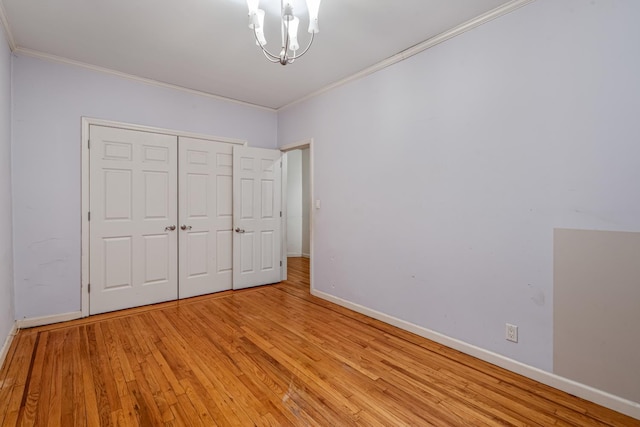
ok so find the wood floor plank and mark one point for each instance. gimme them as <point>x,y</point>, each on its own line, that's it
<point>16,376</point>
<point>267,356</point>
<point>68,380</point>
<point>36,384</point>
<point>88,384</point>
<point>54,355</point>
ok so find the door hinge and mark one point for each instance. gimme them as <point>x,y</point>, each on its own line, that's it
<point>280,263</point>
<point>89,216</point>
<point>280,214</point>
<point>89,144</point>
<point>89,288</point>
<point>280,164</point>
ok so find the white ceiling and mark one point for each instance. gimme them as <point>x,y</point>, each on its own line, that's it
<point>206,45</point>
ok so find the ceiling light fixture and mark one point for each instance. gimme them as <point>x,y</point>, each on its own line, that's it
<point>288,26</point>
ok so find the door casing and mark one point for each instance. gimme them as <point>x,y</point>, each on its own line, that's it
<point>299,145</point>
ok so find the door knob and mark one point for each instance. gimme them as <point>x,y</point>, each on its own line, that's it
<point>238,230</point>
<point>170,228</point>
<point>185,227</point>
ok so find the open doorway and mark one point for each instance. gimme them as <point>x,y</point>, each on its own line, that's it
<point>298,204</point>
<point>298,212</point>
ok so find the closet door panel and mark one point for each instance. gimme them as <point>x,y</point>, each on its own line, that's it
<point>133,205</point>
<point>205,212</point>
<point>257,255</point>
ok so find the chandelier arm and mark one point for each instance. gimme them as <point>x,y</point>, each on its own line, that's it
<point>286,43</point>
<point>283,30</point>
<point>270,56</point>
<point>306,49</point>
<point>266,55</point>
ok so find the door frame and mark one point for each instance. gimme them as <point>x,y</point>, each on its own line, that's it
<point>299,145</point>
<point>86,122</point>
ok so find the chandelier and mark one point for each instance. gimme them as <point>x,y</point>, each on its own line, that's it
<point>288,28</point>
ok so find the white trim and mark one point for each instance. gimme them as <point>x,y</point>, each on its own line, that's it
<point>7,344</point>
<point>600,397</point>
<point>60,59</point>
<point>84,228</point>
<point>306,255</point>
<point>47,320</point>
<point>7,29</point>
<point>427,44</point>
<point>163,131</point>
<point>86,122</point>
<point>460,29</point>
<point>294,254</point>
<point>284,235</point>
<point>301,145</point>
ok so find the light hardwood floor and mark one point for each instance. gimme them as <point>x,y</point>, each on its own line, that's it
<point>273,355</point>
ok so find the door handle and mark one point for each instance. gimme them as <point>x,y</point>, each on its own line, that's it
<point>238,230</point>
<point>170,228</point>
<point>185,227</point>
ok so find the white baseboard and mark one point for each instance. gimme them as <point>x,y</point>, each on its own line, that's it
<point>600,397</point>
<point>7,344</point>
<point>47,320</point>
<point>298,255</point>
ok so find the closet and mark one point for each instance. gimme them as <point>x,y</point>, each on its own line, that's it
<point>162,214</point>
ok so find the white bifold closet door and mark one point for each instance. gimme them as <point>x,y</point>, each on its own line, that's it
<point>134,212</point>
<point>205,211</point>
<point>257,216</point>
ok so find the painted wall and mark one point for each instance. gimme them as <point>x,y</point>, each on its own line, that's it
<point>294,203</point>
<point>306,203</point>
<point>443,177</point>
<point>6,226</point>
<point>49,100</point>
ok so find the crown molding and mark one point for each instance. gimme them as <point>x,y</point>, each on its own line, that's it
<point>7,29</point>
<point>427,44</point>
<point>460,29</point>
<point>151,82</point>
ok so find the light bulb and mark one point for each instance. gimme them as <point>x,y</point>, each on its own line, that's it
<point>253,6</point>
<point>293,34</point>
<point>314,8</point>
<point>261,40</point>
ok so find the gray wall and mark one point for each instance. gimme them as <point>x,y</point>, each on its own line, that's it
<point>443,177</point>
<point>49,101</point>
<point>597,309</point>
<point>6,239</point>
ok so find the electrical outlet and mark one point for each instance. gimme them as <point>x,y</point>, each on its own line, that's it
<point>512,333</point>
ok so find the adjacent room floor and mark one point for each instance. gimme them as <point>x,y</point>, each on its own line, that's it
<point>273,355</point>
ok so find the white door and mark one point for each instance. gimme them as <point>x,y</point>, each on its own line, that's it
<point>205,212</point>
<point>133,208</point>
<point>257,175</point>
